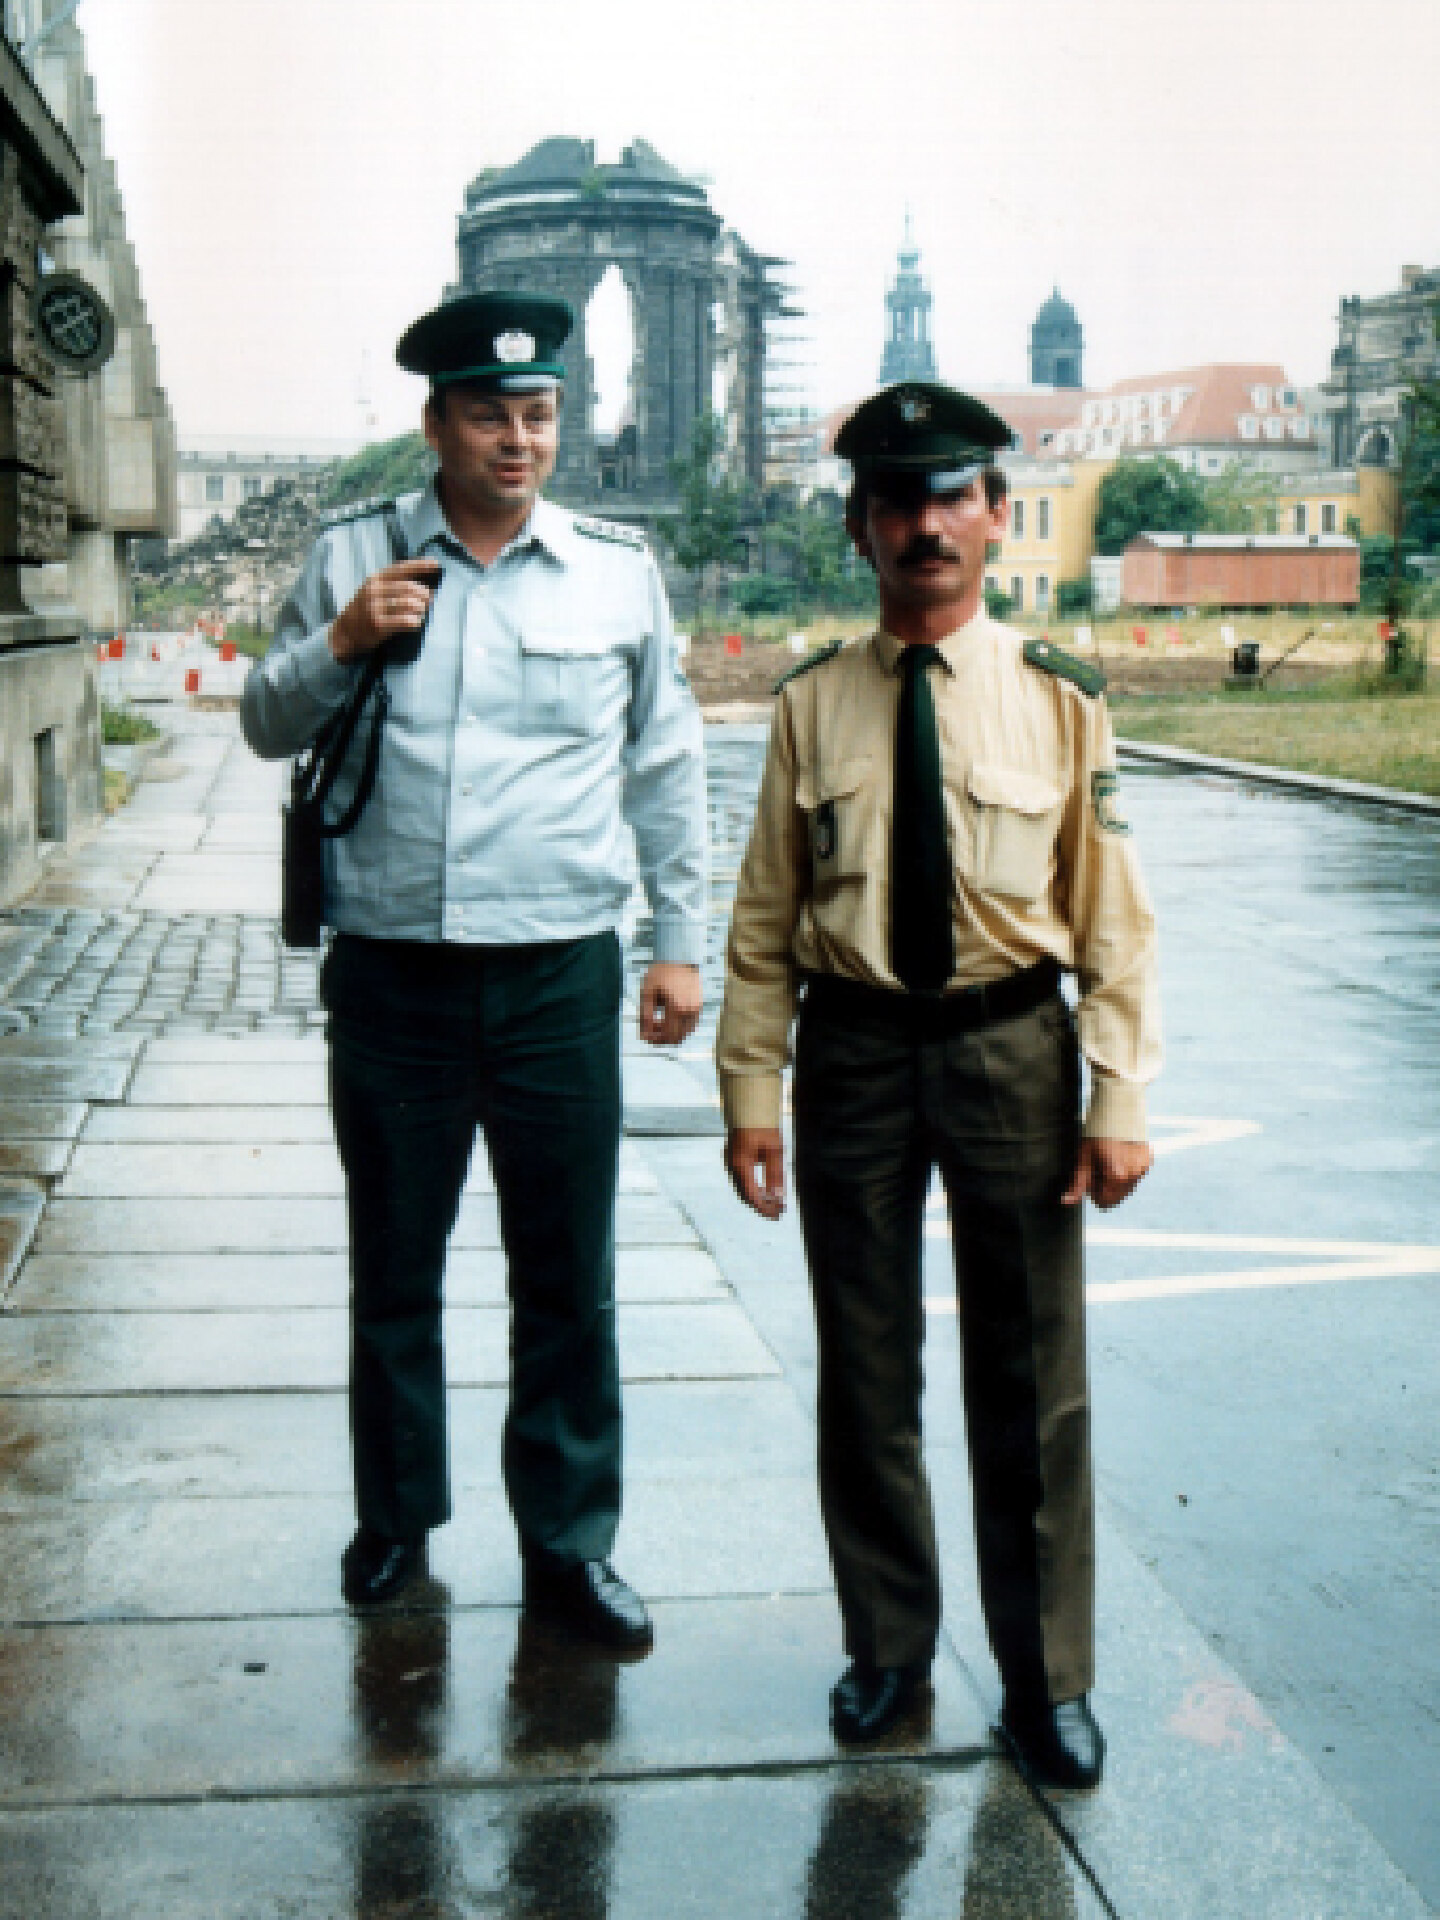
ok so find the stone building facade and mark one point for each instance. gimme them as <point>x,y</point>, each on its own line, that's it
<point>1384,344</point>
<point>553,223</point>
<point>86,457</point>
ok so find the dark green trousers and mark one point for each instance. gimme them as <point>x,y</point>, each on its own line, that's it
<point>879,1104</point>
<point>427,1044</point>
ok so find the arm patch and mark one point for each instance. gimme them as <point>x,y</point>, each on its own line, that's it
<point>613,531</point>
<point>1064,666</point>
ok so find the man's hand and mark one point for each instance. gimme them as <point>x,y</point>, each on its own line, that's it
<point>395,600</point>
<point>1109,1171</point>
<point>755,1161</point>
<point>670,1001</point>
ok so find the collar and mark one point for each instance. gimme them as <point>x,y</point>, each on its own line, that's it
<point>952,648</point>
<point>422,521</point>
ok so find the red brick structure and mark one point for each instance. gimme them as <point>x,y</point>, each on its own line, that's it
<point>1241,570</point>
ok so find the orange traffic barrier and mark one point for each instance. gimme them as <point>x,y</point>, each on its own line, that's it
<point>227,649</point>
<point>1139,636</point>
<point>734,645</point>
<point>192,679</point>
<point>117,647</point>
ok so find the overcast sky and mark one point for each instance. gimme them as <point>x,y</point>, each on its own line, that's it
<point>1203,179</point>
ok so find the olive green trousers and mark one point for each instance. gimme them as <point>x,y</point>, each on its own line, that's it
<point>882,1100</point>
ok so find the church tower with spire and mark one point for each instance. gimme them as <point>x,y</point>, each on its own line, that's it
<point>908,352</point>
<point>1056,345</point>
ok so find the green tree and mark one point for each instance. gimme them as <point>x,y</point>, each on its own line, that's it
<point>1238,501</point>
<point>1146,496</point>
<point>714,509</point>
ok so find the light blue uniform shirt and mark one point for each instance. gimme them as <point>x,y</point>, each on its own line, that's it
<point>545,720</point>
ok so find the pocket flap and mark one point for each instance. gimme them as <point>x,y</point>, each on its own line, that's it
<point>841,777</point>
<point>569,642</point>
<point>1027,793</point>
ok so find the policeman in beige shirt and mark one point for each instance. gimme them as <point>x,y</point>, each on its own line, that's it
<point>937,841</point>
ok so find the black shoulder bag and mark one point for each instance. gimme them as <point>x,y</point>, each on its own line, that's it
<point>304,828</point>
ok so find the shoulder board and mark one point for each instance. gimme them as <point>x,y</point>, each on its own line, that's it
<point>803,666</point>
<point>614,531</point>
<point>356,510</point>
<point>1065,666</point>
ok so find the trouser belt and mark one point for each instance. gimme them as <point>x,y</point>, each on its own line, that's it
<point>933,1015</point>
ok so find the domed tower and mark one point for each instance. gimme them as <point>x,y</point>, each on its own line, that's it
<point>908,352</point>
<point>1056,345</point>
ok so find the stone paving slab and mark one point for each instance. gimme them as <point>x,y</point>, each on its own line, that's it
<point>247,1050</point>
<point>230,1084</point>
<point>52,1046</point>
<point>182,1168</point>
<point>223,883</point>
<point>309,1352</point>
<point>222,1558</point>
<point>35,1159</point>
<point>204,1446</point>
<point>242,1126</point>
<point>305,1224</point>
<point>63,1081</point>
<point>874,1842</point>
<point>138,1712</point>
<point>247,1282</point>
<point>22,1203</point>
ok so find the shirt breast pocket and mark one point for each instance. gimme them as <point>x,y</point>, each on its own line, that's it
<point>1016,819</point>
<point>839,811</point>
<point>570,681</point>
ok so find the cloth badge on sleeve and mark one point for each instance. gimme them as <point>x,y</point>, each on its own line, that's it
<point>1104,789</point>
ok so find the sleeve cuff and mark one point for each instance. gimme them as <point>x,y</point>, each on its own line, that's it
<point>322,676</point>
<point>750,1099</point>
<point>679,943</point>
<point>1117,1110</point>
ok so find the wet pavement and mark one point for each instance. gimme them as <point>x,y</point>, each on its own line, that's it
<point>192,1724</point>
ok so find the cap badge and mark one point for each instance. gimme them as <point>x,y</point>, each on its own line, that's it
<point>913,407</point>
<point>514,346</point>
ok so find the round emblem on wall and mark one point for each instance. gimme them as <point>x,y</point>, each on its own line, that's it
<point>74,326</point>
<point>514,346</point>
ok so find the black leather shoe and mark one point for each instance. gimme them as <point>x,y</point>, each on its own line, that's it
<point>589,1598</point>
<point>374,1569</point>
<point>866,1702</point>
<point>1057,1745</point>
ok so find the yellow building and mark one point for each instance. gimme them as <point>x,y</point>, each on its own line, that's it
<point>1051,533</point>
<point>1354,500</point>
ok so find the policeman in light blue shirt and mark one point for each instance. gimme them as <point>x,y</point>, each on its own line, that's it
<point>540,744</point>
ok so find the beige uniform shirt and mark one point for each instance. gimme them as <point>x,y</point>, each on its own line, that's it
<point>1044,863</point>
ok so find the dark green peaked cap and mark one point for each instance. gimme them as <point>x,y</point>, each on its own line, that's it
<point>1065,666</point>
<point>508,342</point>
<point>922,431</point>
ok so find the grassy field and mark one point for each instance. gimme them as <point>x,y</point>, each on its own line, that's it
<point>1390,740</point>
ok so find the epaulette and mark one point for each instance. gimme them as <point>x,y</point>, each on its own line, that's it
<point>615,531</point>
<point>357,510</point>
<point>817,659</point>
<point>1040,653</point>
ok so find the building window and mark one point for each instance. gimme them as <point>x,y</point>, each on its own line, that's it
<point>1017,594</point>
<point>1260,398</point>
<point>1287,397</point>
<point>214,488</point>
<point>1017,519</point>
<point>1042,520</point>
<point>254,486</point>
<point>1300,427</point>
<point>1042,593</point>
<point>992,583</point>
<point>1249,427</point>
<point>1329,517</point>
<point>1302,519</point>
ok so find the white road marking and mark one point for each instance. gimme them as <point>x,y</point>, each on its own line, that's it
<point>1311,1263</point>
<point>1197,1132</point>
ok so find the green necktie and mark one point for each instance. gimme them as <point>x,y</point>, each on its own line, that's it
<point>922,933</point>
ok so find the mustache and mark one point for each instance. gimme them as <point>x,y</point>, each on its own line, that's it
<point>926,546</point>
